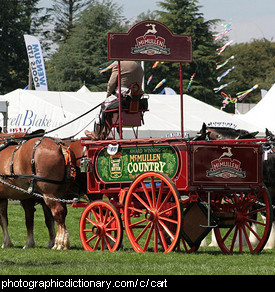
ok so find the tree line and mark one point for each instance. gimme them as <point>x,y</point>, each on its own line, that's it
<point>73,34</point>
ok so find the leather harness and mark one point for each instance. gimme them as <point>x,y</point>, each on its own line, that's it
<point>33,176</point>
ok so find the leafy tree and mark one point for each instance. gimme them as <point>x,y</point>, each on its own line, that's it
<point>184,17</point>
<point>80,58</point>
<point>17,18</point>
<point>65,14</point>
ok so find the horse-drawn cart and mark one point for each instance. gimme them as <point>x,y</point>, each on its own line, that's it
<point>169,193</point>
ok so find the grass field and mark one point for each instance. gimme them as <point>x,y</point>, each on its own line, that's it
<point>76,261</point>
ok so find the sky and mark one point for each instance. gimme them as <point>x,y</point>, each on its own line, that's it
<point>250,19</point>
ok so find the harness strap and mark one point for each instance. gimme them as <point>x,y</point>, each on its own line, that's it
<point>33,176</point>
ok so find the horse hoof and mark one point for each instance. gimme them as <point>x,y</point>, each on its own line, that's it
<point>7,245</point>
<point>27,247</point>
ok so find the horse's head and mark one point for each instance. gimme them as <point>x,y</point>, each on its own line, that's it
<point>269,135</point>
<point>224,133</point>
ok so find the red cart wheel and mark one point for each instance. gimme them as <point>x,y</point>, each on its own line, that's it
<point>100,227</point>
<point>250,231</point>
<point>153,213</point>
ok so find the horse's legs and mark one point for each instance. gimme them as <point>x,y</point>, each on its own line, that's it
<point>59,212</point>
<point>29,209</point>
<point>49,221</point>
<point>4,223</point>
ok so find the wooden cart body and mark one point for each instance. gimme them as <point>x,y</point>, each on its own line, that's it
<point>169,193</point>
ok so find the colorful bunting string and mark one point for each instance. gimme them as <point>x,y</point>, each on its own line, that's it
<point>149,79</point>
<point>223,63</point>
<point>225,73</point>
<point>243,94</point>
<point>227,29</point>
<point>159,84</point>
<point>220,50</point>
<point>217,89</point>
<point>108,68</point>
<point>190,82</point>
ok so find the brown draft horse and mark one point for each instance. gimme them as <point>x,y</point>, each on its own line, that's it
<point>217,133</point>
<point>49,164</point>
<point>27,204</point>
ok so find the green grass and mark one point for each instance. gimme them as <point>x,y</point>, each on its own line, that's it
<point>76,261</point>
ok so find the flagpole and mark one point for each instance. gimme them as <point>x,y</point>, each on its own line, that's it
<point>30,78</point>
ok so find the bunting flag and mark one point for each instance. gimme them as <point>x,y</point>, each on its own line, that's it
<point>159,84</point>
<point>217,89</point>
<point>225,73</point>
<point>190,82</point>
<point>227,29</point>
<point>149,79</point>
<point>223,63</point>
<point>241,95</point>
<point>156,64</point>
<point>220,50</point>
<point>108,68</point>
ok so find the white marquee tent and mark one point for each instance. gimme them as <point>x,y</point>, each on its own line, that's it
<point>48,110</point>
<point>263,112</point>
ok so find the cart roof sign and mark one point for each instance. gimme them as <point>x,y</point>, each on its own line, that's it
<point>150,40</point>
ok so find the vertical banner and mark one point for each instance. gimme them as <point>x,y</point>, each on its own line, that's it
<point>36,62</point>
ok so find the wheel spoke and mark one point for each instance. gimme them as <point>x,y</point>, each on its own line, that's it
<point>148,237</point>
<point>247,238</point>
<point>155,237</point>
<point>240,240</point>
<point>143,231</point>
<point>160,194</point>
<point>227,234</point>
<point>137,210</point>
<point>168,219</point>
<point>253,231</point>
<point>106,216</point>
<point>97,218</point>
<point>167,230</point>
<point>162,237</point>
<point>234,239</point>
<point>91,238</point>
<point>147,194</point>
<point>90,220</point>
<point>138,222</point>
<point>256,222</point>
<point>141,201</point>
<point>167,210</point>
<point>153,191</point>
<point>168,196</point>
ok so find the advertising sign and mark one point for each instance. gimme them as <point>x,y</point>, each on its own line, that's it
<point>36,62</point>
<point>129,162</point>
<point>150,40</point>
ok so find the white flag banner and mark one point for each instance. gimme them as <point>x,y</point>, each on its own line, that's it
<point>36,62</point>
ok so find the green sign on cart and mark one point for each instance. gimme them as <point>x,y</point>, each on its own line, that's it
<point>129,162</point>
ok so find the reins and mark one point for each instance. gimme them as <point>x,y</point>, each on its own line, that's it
<point>75,119</point>
<point>40,133</point>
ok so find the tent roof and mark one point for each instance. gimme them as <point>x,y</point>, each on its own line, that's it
<point>162,118</point>
<point>84,89</point>
<point>263,111</point>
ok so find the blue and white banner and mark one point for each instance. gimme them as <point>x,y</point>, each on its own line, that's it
<point>36,62</point>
